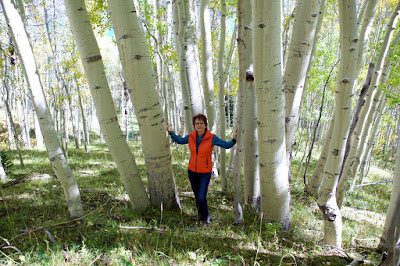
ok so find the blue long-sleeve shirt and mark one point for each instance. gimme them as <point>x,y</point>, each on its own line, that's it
<point>215,141</point>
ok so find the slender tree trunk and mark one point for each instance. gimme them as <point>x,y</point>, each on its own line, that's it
<point>353,141</point>
<point>327,193</point>
<point>54,151</point>
<point>141,84</point>
<point>300,49</point>
<point>105,109</point>
<point>207,77</point>
<point>391,240</point>
<point>180,25</point>
<point>221,98</point>
<point>369,143</point>
<point>84,122</point>
<point>365,31</point>
<point>268,66</point>
<point>189,47</point>
<point>236,180</point>
<point>369,110</point>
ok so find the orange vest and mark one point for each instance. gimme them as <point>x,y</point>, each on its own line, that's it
<point>200,161</point>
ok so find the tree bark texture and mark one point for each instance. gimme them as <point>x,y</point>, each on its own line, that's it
<point>103,101</point>
<point>300,49</point>
<point>207,78</point>
<point>137,65</point>
<point>221,98</point>
<point>268,74</point>
<point>55,154</point>
<point>327,193</point>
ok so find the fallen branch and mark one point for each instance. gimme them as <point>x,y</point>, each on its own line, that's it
<point>142,227</point>
<point>57,224</point>
<point>14,182</point>
<point>375,183</point>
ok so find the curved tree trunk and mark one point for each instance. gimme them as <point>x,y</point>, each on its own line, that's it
<point>105,109</point>
<point>55,154</point>
<point>346,77</point>
<point>141,84</point>
<point>300,49</point>
<point>365,31</point>
<point>369,110</point>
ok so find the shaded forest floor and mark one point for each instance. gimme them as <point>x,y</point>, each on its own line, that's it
<point>35,229</point>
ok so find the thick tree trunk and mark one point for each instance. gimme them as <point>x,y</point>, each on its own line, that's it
<point>141,84</point>
<point>54,151</point>
<point>327,193</point>
<point>268,62</point>
<point>105,109</point>
<point>246,83</point>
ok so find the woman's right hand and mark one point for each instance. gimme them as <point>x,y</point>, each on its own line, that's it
<point>168,127</point>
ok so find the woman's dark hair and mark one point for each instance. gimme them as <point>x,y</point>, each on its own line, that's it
<point>200,117</point>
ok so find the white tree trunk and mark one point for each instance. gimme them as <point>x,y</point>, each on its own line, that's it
<point>221,97</point>
<point>207,78</point>
<point>3,175</point>
<point>141,83</point>
<point>55,154</point>
<point>314,182</point>
<point>300,49</point>
<point>180,25</point>
<point>105,109</point>
<point>237,162</point>
<point>246,83</point>
<point>268,74</point>
<point>369,143</point>
<point>391,240</point>
<point>365,31</point>
<point>369,110</point>
<point>189,47</point>
<point>38,134</point>
<point>327,193</point>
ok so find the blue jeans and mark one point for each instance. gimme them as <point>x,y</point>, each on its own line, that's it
<point>199,182</point>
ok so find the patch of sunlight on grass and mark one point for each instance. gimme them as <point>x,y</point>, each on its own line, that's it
<point>376,174</point>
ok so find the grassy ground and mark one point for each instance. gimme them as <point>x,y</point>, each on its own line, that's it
<point>34,227</point>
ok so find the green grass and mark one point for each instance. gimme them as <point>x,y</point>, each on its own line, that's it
<point>162,237</point>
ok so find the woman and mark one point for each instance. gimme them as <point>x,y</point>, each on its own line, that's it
<point>201,142</point>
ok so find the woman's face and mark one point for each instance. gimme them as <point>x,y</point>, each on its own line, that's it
<point>199,126</point>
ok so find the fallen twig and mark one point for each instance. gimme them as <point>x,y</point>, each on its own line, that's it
<point>14,182</point>
<point>375,183</point>
<point>142,227</point>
